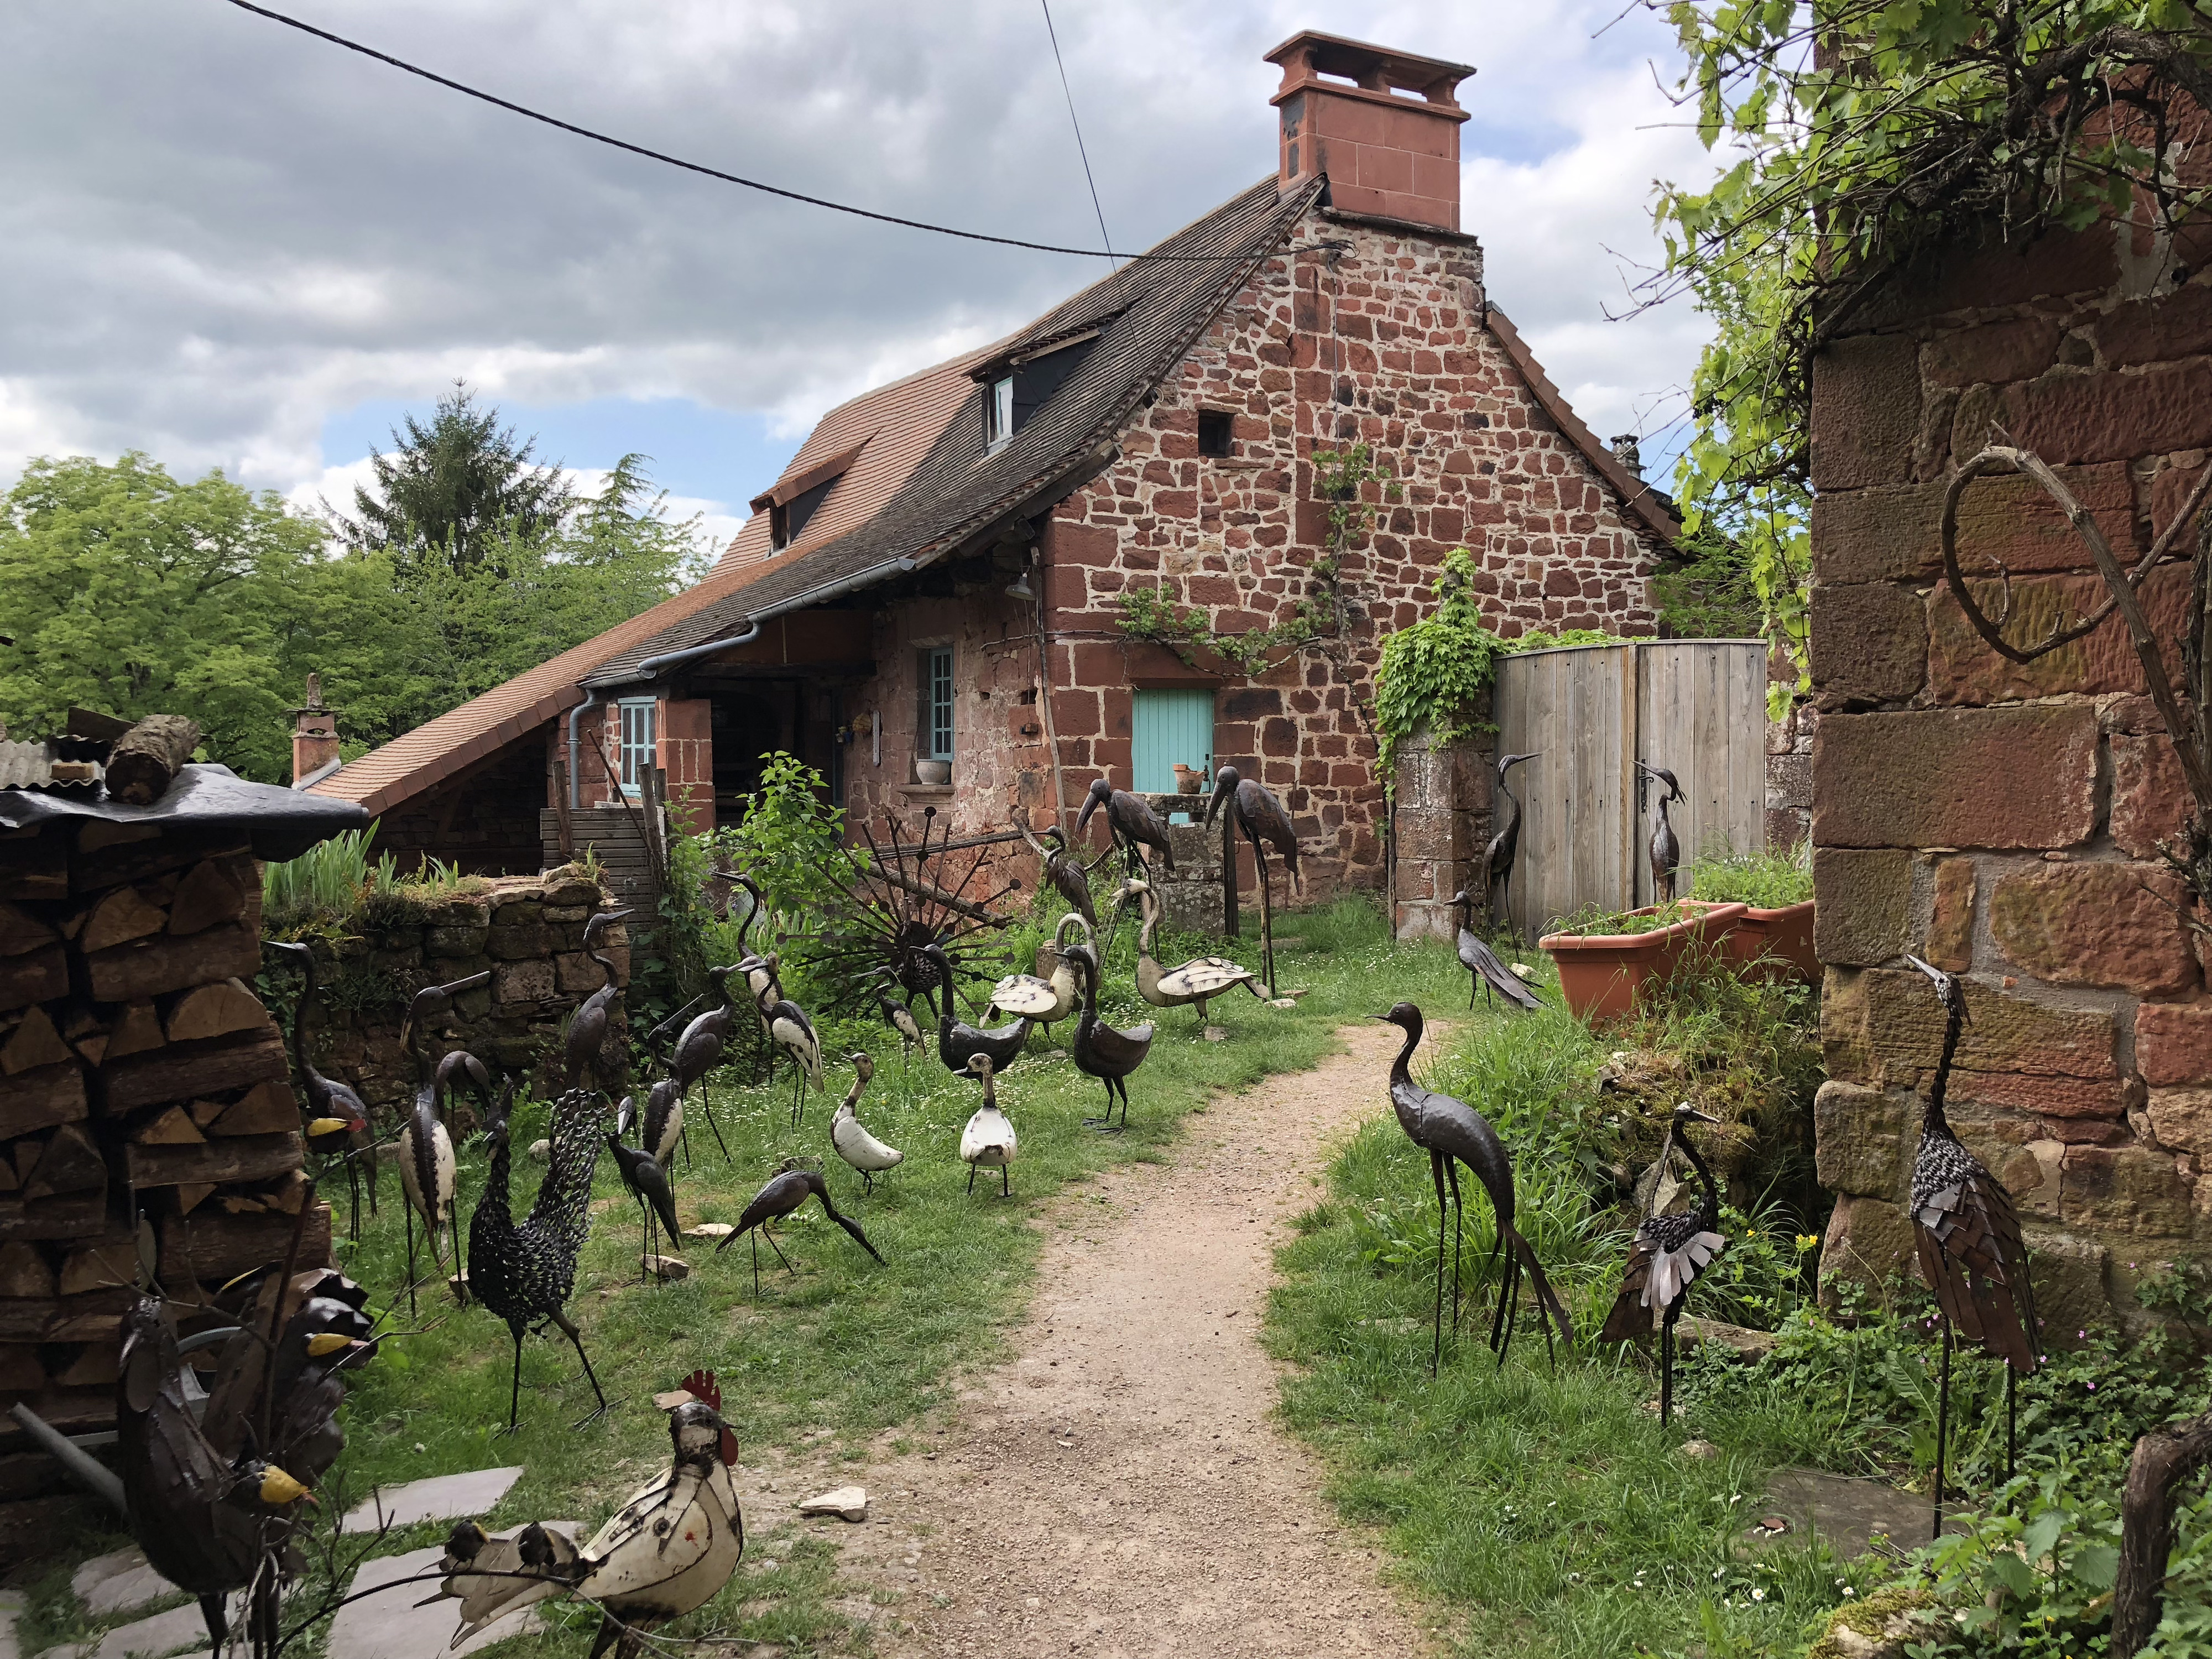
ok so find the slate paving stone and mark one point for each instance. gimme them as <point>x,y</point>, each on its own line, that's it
<point>1850,1512</point>
<point>165,1633</point>
<point>440,1498</point>
<point>118,1583</point>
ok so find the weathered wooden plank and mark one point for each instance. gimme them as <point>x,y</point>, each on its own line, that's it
<point>226,1159</point>
<point>180,1071</point>
<point>210,1247</point>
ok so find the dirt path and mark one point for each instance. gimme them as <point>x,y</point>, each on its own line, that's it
<point>1119,1488</point>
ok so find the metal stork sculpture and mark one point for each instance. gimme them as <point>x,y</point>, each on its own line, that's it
<point>1254,811</point>
<point>1666,850</point>
<point>1505,848</point>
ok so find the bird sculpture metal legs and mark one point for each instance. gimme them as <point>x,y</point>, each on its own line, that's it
<point>514,1393</point>
<point>1266,918</point>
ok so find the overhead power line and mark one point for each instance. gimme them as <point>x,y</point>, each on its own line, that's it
<point>512,108</point>
<point>1053,34</point>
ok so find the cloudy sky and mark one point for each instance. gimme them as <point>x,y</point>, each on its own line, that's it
<point>231,245</point>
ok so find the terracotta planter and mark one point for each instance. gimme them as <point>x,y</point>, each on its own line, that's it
<point>1773,944</point>
<point>1602,974</point>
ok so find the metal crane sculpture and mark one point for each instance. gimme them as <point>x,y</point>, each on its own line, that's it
<point>1062,869</point>
<point>525,1273</point>
<point>669,1550</point>
<point>850,1137</point>
<point>1105,1052</point>
<point>586,1042</point>
<point>959,1043</point>
<point>791,1030</point>
<point>1453,1133</point>
<point>989,1138</point>
<point>660,1131</point>
<point>1670,1253</point>
<point>1666,850</point>
<point>1481,963</point>
<point>648,1183</point>
<point>785,1191</point>
<point>698,1051</point>
<point>899,1016</point>
<point>433,1005</point>
<point>426,1165</point>
<point>1970,1247</point>
<point>1196,983</point>
<point>1133,825</point>
<point>337,1117</point>
<point>1254,811</point>
<point>1505,848</point>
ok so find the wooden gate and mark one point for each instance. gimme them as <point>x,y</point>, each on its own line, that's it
<point>1696,707</point>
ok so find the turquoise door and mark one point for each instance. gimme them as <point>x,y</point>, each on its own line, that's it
<point>1171,726</point>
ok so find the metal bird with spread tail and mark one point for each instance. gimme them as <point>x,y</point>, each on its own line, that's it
<point>850,1137</point>
<point>989,1140</point>
<point>1254,811</point>
<point>1061,869</point>
<point>586,1042</point>
<point>525,1273</point>
<point>1498,857</point>
<point>1103,1051</point>
<point>1970,1247</point>
<point>1481,961</point>
<point>1196,983</point>
<point>336,1122</point>
<point>1670,1253</point>
<point>1453,1133</point>
<point>1666,850</point>
<point>1133,824</point>
<point>957,1042</point>
<point>1049,998</point>
<point>648,1183</point>
<point>784,1194</point>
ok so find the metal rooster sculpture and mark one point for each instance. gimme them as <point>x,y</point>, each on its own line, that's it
<point>525,1273</point>
<point>1971,1252</point>
<point>1666,850</point>
<point>336,1122</point>
<point>1254,811</point>
<point>1453,1133</point>
<point>1499,857</point>
<point>1670,1253</point>
<point>1481,961</point>
<point>1133,824</point>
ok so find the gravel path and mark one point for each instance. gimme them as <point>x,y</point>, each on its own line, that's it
<point>1119,1488</point>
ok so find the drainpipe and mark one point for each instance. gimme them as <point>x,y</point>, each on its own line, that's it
<point>653,665</point>
<point>598,699</point>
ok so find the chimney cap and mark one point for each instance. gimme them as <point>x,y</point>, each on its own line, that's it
<point>1310,54</point>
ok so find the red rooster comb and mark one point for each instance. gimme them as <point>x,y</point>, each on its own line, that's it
<point>701,1386</point>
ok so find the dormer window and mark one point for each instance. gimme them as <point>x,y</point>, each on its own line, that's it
<point>787,519</point>
<point>800,492</point>
<point>1017,388</point>
<point>997,411</point>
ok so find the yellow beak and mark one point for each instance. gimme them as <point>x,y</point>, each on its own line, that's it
<point>278,1487</point>
<point>326,1125</point>
<point>324,1342</point>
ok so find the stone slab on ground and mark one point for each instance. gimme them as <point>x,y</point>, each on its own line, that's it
<point>1850,1512</point>
<point>118,1583</point>
<point>390,1625</point>
<point>439,1498</point>
<point>165,1633</point>
<point>850,1502</point>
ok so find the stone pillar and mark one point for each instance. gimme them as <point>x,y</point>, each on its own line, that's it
<point>684,745</point>
<point>1442,821</point>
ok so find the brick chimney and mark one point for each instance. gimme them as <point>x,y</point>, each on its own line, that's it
<point>1392,156</point>
<point>314,734</point>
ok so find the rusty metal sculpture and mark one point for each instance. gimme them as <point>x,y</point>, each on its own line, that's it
<point>1670,1253</point>
<point>336,1123</point>
<point>1505,848</point>
<point>1255,810</point>
<point>1666,849</point>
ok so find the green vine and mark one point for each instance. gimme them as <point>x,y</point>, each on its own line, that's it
<point>1434,672</point>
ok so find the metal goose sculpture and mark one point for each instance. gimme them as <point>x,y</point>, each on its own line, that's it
<point>1134,824</point>
<point>850,1137</point>
<point>1666,849</point>
<point>583,1046</point>
<point>1670,1253</point>
<point>337,1118</point>
<point>959,1043</point>
<point>1255,812</point>
<point>786,1191</point>
<point>1481,963</point>
<point>1970,1247</point>
<point>1505,848</point>
<point>1453,1133</point>
<point>1196,983</point>
<point>989,1139</point>
<point>1111,1054</point>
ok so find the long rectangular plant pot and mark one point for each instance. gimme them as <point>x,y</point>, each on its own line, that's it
<point>1602,974</point>
<point>1774,944</point>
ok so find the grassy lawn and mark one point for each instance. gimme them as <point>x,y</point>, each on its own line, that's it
<point>846,1350</point>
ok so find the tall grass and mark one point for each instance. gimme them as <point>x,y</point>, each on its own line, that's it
<point>1768,880</point>
<point>328,880</point>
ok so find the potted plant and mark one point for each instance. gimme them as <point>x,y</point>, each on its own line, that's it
<point>1605,959</point>
<point>1774,936</point>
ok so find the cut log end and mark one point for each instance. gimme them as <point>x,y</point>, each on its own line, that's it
<point>145,760</point>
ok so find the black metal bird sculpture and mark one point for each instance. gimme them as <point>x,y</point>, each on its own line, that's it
<point>648,1184</point>
<point>1670,1253</point>
<point>1105,1052</point>
<point>660,1130</point>
<point>1255,813</point>
<point>899,1016</point>
<point>1666,850</point>
<point>430,1005</point>
<point>957,1042</point>
<point>1499,857</point>
<point>427,1166</point>
<point>784,1194</point>
<point>335,1125</point>
<point>587,1027</point>
<point>1971,1252</point>
<point>1481,963</point>
<point>698,1052</point>
<point>1060,868</point>
<point>791,1030</point>
<point>1453,1133</point>
<point>525,1273</point>
<point>1131,822</point>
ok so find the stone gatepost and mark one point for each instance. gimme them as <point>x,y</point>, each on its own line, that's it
<point>1441,818</point>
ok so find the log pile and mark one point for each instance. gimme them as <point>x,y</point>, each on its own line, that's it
<point>146,1108</point>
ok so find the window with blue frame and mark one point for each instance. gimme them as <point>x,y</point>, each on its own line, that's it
<point>934,732</point>
<point>637,743</point>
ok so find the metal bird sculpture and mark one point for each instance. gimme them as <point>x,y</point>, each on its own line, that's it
<point>337,1120</point>
<point>648,1183</point>
<point>989,1139</point>
<point>850,1137</point>
<point>1481,961</point>
<point>1970,1247</point>
<point>1196,983</point>
<point>1061,869</point>
<point>698,1052</point>
<point>899,1016</point>
<point>1666,850</point>
<point>1453,1133</point>
<point>660,1130</point>
<point>1048,999</point>
<point>524,1273</point>
<point>669,1550</point>
<point>957,1042</point>
<point>426,1163</point>
<point>585,1045</point>
<point>1132,823</point>
<point>784,1194</point>
<point>1505,848</point>
<point>1670,1253</point>
<point>1255,812</point>
<point>1105,1052</point>
<point>793,1032</point>
<point>432,1004</point>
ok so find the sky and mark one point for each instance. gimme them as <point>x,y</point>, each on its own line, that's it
<point>231,245</point>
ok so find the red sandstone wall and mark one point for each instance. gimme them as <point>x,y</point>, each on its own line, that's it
<point>2003,821</point>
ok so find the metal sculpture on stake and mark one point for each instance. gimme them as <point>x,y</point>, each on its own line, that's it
<point>1253,810</point>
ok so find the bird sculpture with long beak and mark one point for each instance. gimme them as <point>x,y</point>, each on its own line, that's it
<point>988,1141</point>
<point>899,1016</point>
<point>1453,1133</point>
<point>584,1047</point>
<point>648,1183</point>
<point>1670,1253</point>
<point>1481,961</point>
<point>667,1551</point>
<point>1255,813</point>
<point>426,1163</point>
<point>1105,1052</point>
<point>785,1191</point>
<point>1196,983</point>
<point>957,1042</point>
<point>336,1123</point>
<point>1499,857</point>
<point>698,1052</point>
<point>791,1030</point>
<point>1666,850</point>
<point>660,1128</point>
<point>1059,869</point>
<point>1971,1252</point>
<point>1133,825</point>
<point>850,1137</point>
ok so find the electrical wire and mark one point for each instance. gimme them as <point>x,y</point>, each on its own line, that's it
<point>715,172</point>
<point>1053,35</point>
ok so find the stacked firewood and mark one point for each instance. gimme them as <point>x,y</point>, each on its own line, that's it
<point>146,1121</point>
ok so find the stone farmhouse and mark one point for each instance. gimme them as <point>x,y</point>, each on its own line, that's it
<point>927,605</point>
